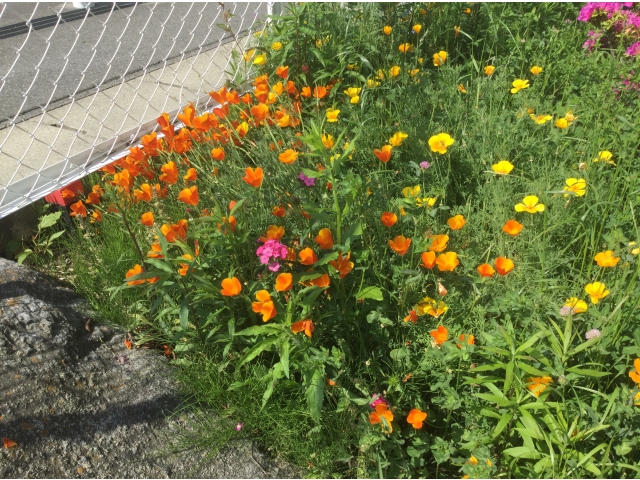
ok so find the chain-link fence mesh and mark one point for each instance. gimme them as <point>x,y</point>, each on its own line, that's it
<point>78,86</point>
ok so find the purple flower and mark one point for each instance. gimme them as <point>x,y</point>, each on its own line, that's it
<point>586,13</point>
<point>309,182</point>
<point>424,165</point>
<point>634,50</point>
<point>593,333</point>
<point>274,266</point>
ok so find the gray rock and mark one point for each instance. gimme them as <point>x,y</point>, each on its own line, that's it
<point>80,404</point>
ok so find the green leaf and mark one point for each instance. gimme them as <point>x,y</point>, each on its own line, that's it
<point>522,452</point>
<point>529,343</point>
<point>159,264</point>
<point>326,259</point>
<point>399,354</point>
<point>285,349</point>
<point>276,374</point>
<point>304,277</point>
<point>587,372</point>
<point>352,233</point>
<point>237,206</point>
<point>268,329</point>
<point>184,313</point>
<point>55,235</point>
<point>257,350</point>
<point>23,256</point>
<point>311,297</point>
<point>502,424</point>
<point>374,293</point>
<point>500,401</point>
<point>49,220</point>
<point>315,394</point>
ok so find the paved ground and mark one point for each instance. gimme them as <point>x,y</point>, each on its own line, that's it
<point>104,75</point>
<point>70,56</point>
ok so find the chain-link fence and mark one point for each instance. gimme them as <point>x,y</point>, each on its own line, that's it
<point>79,86</point>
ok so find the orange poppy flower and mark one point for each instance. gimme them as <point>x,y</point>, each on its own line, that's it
<point>466,338</point>
<point>456,222</point>
<point>184,267</point>
<point>260,111</point>
<point>323,281</point>
<point>217,154</point>
<point>151,144</point>
<point>307,256</point>
<point>78,208</point>
<point>447,262</point>
<point>253,177</point>
<point>400,244</point>
<point>273,232</point>
<point>412,317</point>
<point>439,243</point>
<point>67,193</point>
<point>440,335</point>
<point>537,385</point>
<point>382,415</point>
<point>122,179</point>
<point>187,115</point>
<point>191,175</point>
<point>388,219</point>
<point>282,72</point>
<point>384,154</point>
<point>93,199</point>
<point>343,265</point>
<point>512,227</point>
<point>319,92</point>
<point>288,156</point>
<point>635,376</point>
<point>305,92</point>
<point>231,221</point>
<point>145,193</point>
<point>156,251</point>
<point>147,219</point>
<point>305,326</point>
<point>161,192</point>
<point>504,265</point>
<point>486,270</point>
<point>264,305</point>
<point>137,269</point>
<point>278,211</point>
<point>416,417</point>
<point>231,287</point>
<point>97,216</point>
<point>169,173</point>
<point>284,282</point>
<point>324,239</point>
<point>189,195</point>
<point>428,260</point>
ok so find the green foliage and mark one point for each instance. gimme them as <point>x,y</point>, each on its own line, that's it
<point>531,375</point>
<point>39,244</point>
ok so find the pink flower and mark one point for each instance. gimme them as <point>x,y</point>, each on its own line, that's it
<point>634,50</point>
<point>239,427</point>
<point>378,400</point>
<point>270,252</point>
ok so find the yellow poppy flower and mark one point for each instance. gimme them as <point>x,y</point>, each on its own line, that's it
<point>395,71</point>
<point>606,259</point>
<point>576,305</point>
<point>461,88</point>
<point>260,59</point>
<point>529,204</point>
<point>332,115</point>
<point>387,30</point>
<point>276,46</point>
<point>489,69</point>
<point>540,119</point>
<point>397,138</point>
<point>416,28</point>
<point>519,84</point>
<point>576,185</point>
<point>405,47</point>
<point>371,83</point>
<point>503,167</point>
<point>596,291</point>
<point>440,142</point>
<point>535,70</point>
<point>605,156</point>
<point>411,191</point>
<point>439,58</point>
<point>562,123</point>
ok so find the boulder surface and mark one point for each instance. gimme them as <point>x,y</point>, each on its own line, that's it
<point>79,403</point>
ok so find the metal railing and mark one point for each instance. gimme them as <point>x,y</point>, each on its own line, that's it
<point>78,87</point>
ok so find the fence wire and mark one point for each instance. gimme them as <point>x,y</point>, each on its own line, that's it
<point>79,86</point>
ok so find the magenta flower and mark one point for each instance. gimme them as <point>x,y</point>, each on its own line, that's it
<point>239,427</point>
<point>634,50</point>
<point>309,182</point>
<point>270,252</point>
<point>424,165</point>
<point>378,400</point>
